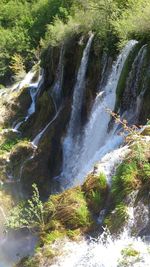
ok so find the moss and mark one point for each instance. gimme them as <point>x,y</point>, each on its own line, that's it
<point>96,190</point>
<point>125,180</point>
<point>146,131</point>
<point>130,252</point>
<point>19,153</point>
<point>132,174</point>
<point>74,235</point>
<point>16,106</point>
<point>116,220</point>
<point>45,111</point>
<point>53,236</point>
<point>8,144</point>
<point>69,208</point>
<point>130,256</point>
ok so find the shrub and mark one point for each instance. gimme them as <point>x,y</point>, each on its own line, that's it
<point>28,214</point>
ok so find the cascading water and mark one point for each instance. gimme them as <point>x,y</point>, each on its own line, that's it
<point>34,89</point>
<point>132,98</point>
<point>82,149</point>
<point>56,96</point>
<point>105,251</point>
<point>37,139</point>
<point>96,141</point>
<point>74,124</point>
<point>57,88</point>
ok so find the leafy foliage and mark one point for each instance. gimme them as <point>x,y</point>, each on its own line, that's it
<point>28,214</point>
<point>25,26</point>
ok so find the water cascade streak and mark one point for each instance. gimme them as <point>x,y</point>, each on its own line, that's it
<point>74,123</point>
<point>37,139</point>
<point>57,88</point>
<point>97,142</point>
<point>34,89</point>
<point>132,98</point>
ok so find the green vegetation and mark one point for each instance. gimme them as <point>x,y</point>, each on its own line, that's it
<point>132,174</point>
<point>116,220</point>
<point>63,215</point>
<point>70,209</point>
<point>129,257</point>
<point>96,190</point>
<point>28,27</point>
<point>8,144</point>
<point>28,214</point>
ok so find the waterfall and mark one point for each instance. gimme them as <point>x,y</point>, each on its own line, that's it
<point>96,140</point>
<point>131,97</point>
<point>78,94</point>
<point>27,80</point>
<point>56,96</point>
<point>37,139</point>
<point>79,91</point>
<point>34,89</point>
<point>57,88</point>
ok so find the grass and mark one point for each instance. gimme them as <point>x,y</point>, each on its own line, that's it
<point>125,180</point>
<point>132,174</point>
<point>70,209</point>
<point>95,189</point>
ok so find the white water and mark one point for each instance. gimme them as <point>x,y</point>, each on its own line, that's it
<point>104,251</point>
<point>78,94</point>
<point>25,82</point>
<point>37,139</point>
<point>133,106</point>
<point>107,250</point>
<point>34,89</point>
<point>96,142</point>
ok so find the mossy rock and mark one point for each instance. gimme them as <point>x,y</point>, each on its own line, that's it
<point>45,111</point>
<point>96,191</point>
<point>16,106</point>
<point>70,209</point>
<point>131,175</point>
<point>146,131</point>
<point>3,168</point>
<point>8,139</point>
<point>125,180</point>
<point>20,152</point>
<point>117,219</point>
<point>6,204</point>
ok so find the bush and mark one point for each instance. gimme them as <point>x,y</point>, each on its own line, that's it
<point>28,214</point>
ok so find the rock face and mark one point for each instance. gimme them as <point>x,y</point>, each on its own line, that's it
<point>47,161</point>
<point>42,165</point>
